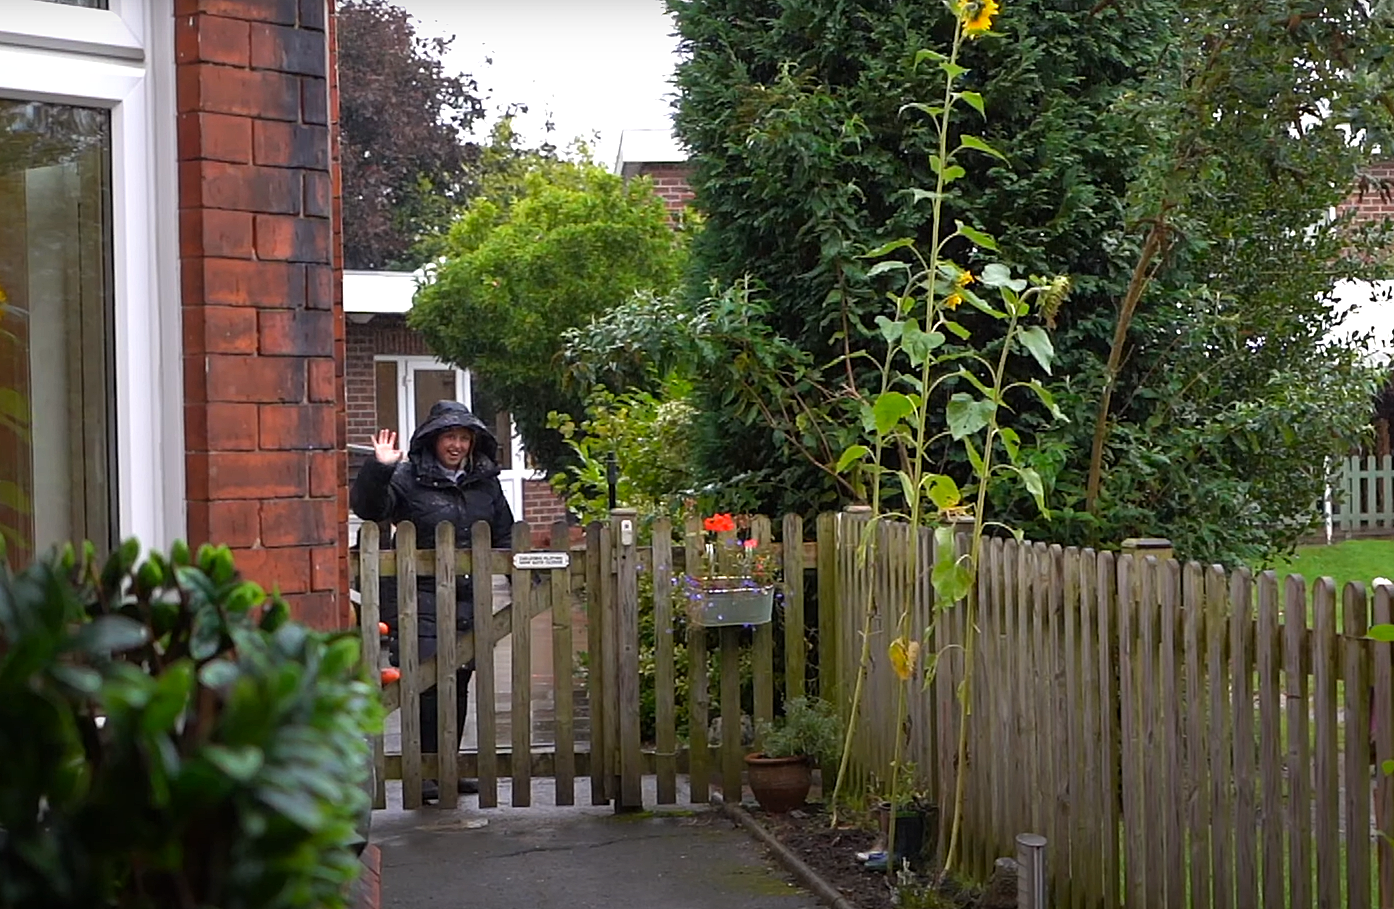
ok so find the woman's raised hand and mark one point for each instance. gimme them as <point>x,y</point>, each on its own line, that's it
<point>385,447</point>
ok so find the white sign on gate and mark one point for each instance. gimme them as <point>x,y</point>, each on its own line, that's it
<point>541,561</point>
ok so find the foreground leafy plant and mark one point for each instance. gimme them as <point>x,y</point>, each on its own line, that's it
<point>173,739</point>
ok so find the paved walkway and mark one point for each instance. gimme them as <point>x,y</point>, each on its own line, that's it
<point>547,857</point>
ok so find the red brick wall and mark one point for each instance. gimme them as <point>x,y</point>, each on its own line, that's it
<point>261,295</point>
<point>1374,204</point>
<point>343,607</point>
<point>360,405</point>
<point>670,183</point>
<point>541,508</point>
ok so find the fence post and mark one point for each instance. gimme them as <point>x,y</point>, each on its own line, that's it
<point>795,639</point>
<point>828,688</point>
<point>520,644</point>
<point>1142,547</point>
<point>625,641</point>
<point>597,584</point>
<point>408,658</point>
<point>448,734</point>
<point>368,618</point>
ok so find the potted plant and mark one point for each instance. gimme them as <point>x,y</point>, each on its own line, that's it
<point>781,772</point>
<point>916,820</point>
<point>736,583</point>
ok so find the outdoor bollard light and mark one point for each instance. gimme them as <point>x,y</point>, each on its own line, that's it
<point>1030,881</point>
<point>612,476</point>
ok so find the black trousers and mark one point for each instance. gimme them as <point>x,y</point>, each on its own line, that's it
<point>430,728</point>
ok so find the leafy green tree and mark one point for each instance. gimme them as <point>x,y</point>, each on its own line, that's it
<point>530,259</point>
<point>1232,399</point>
<point>1177,159</point>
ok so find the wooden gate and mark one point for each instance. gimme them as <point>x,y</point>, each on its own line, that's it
<point>591,592</point>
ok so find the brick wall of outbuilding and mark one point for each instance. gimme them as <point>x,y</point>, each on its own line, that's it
<point>670,184</point>
<point>262,296</point>
<point>1376,203</point>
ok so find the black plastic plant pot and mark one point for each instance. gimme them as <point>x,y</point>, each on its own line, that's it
<point>911,826</point>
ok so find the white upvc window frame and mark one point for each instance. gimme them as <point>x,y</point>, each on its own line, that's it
<point>406,387</point>
<point>122,59</point>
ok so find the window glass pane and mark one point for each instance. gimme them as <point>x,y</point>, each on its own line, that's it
<point>431,385</point>
<point>388,418</point>
<point>57,461</point>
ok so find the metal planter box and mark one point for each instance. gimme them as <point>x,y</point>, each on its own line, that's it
<point>720,601</point>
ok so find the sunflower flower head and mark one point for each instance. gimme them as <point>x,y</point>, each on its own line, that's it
<point>964,279</point>
<point>952,301</point>
<point>976,15</point>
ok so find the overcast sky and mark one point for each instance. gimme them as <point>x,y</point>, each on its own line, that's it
<point>591,65</point>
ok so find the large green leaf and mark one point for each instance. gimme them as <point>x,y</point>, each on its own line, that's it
<point>890,408</point>
<point>853,453</point>
<point>109,634</point>
<point>951,578</point>
<point>1047,399</point>
<point>919,344</point>
<point>171,697</point>
<point>1032,479</point>
<point>974,100</point>
<point>978,144</point>
<point>943,491</point>
<point>979,237</point>
<point>889,247</point>
<point>239,762</point>
<point>1038,343</point>
<point>891,330</point>
<point>1383,633</point>
<point>996,274</point>
<point>967,414</point>
<point>1010,441</point>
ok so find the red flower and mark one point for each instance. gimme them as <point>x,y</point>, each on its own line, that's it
<point>719,523</point>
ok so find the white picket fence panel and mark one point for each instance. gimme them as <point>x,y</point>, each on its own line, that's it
<point>1361,501</point>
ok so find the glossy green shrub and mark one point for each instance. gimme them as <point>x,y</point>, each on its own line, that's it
<point>170,738</point>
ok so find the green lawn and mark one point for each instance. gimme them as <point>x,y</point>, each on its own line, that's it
<point>1353,560</point>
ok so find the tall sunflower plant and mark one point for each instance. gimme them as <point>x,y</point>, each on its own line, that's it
<point>931,390</point>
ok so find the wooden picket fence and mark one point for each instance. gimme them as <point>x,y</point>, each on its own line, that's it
<point>1363,497</point>
<point>1183,736</point>
<point>603,577</point>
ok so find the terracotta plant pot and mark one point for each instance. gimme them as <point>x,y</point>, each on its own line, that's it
<point>780,784</point>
